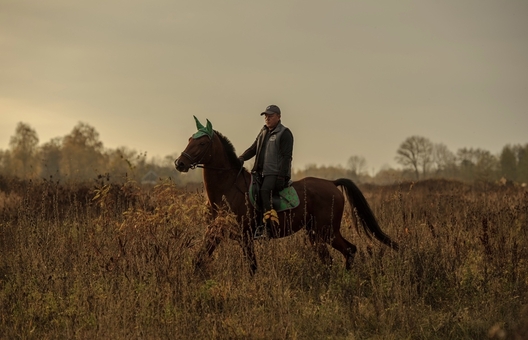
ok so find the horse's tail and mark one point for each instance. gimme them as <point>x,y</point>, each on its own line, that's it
<point>365,214</point>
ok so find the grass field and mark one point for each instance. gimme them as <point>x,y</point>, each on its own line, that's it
<point>116,262</point>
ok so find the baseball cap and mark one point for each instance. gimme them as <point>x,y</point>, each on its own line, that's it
<point>271,110</point>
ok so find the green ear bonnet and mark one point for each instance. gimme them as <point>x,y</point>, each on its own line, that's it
<point>203,130</point>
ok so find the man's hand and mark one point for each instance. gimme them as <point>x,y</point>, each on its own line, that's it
<point>280,183</point>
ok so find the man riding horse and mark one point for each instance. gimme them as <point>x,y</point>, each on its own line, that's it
<point>319,210</point>
<point>273,149</point>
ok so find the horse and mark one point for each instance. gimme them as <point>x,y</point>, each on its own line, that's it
<point>320,211</point>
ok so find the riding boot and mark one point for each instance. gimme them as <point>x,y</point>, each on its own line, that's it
<point>270,220</point>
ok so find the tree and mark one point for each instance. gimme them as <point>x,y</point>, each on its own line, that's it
<point>23,150</point>
<point>444,160</point>
<point>357,165</point>
<point>82,153</point>
<point>5,163</point>
<point>416,153</point>
<point>487,166</point>
<point>522,164</point>
<point>508,163</point>
<point>50,157</point>
<point>387,175</point>
<point>120,162</point>
<point>477,164</point>
<point>467,160</point>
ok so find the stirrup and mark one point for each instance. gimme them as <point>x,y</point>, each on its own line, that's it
<point>261,232</point>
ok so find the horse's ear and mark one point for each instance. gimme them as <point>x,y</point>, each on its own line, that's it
<point>209,128</point>
<point>199,125</point>
<point>202,130</point>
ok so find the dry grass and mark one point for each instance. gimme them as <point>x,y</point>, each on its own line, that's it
<point>120,266</point>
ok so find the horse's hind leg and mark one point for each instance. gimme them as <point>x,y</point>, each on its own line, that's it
<point>320,247</point>
<point>344,247</point>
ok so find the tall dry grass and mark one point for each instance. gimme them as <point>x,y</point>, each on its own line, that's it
<point>116,262</point>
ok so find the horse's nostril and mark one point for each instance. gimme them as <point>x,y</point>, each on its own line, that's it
<point>180,166</point>
<point>178,163</point>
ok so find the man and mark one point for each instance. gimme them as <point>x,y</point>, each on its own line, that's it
<point>273,149</point>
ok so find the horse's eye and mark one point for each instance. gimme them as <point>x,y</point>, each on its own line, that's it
<point>202,143</point>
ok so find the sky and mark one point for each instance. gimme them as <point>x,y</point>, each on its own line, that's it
<point>352,78</point>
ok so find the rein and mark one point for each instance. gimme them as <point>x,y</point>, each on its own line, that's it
<point>223,169</point>
<point>210,167</point>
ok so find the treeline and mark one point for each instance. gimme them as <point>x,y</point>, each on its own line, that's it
<point>426,159</point>
<point>422,159</point>
<point>81,156</point>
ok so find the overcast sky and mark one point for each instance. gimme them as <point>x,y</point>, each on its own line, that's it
<point>351,77</point>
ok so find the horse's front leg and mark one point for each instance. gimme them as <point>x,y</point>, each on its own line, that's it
<point>212,238</point>
<point>248,248</point>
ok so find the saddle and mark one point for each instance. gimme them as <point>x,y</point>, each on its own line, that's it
<point>286,199</point>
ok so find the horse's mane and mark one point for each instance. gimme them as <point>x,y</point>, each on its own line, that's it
<point>230,150</point>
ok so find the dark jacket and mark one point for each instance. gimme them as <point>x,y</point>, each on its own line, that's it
<point>273,151</point>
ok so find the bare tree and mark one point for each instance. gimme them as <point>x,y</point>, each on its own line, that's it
<point>444,160</point>
<point>416,153</point>
<point>357,165</point>
<point>477,164</point>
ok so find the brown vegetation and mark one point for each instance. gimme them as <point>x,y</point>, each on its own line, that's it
<point>116,261</point>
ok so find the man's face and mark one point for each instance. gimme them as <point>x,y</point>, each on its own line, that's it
<point>271,120</point>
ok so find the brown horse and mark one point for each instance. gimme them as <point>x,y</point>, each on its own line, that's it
<point>320,210</point>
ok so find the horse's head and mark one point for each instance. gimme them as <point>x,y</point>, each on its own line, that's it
<point>198,151</point>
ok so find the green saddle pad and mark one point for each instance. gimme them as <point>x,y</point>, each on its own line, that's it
<point>286,200</point>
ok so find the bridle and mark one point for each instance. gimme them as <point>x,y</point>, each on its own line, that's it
<point>198,163</point>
